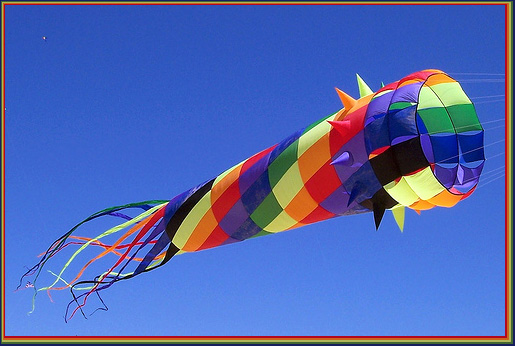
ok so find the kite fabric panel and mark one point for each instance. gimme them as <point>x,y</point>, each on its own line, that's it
<point>414,143</point>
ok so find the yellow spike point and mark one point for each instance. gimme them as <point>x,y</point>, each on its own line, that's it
<point>364,89</point>
<point>348,101</point>
<point>398,215</point>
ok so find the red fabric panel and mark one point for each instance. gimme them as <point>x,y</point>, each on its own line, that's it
<point>323,183</point>
<point>217,237</point>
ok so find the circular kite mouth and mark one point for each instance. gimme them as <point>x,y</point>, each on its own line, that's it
<point>451,135</point>
<point>424,141</point>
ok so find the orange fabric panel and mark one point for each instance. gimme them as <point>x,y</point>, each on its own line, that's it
<point>445,199</point>
<point>421,205</point>
<point>438,79</point>
<point>314,158</point>
<point>199,235</point>
<point>216,238</point>
<point>220,187</point>
<point>318,214</point>
<point>301,205</point>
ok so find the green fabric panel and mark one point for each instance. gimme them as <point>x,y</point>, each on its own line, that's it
<point>318,122</point>
<point>262,233</point>
<point>400,105</point>
<point>464,118</point>
<point>428,99</point>
<point>267,211</point>
<point>450,94</point>
<point>282,163</point>
<point>436,120</point>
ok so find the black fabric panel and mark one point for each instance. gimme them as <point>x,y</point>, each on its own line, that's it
<point>385,167</point>
<point>382,198</point>
<point>409,156</point>
<point>378,203</point>
<point>172,250</point>
<point>183,210</point>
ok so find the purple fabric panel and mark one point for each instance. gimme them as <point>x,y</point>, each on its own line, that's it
<point>378,106</point>
<point>163,241</point>
<point>470,177</point>
<point>234,218</point>
<point>230,240</point>
<point>460,174</point>
<point>402,139</point>
<point>253,173</point>
<point>355,146</point>
<point>121,215</point>
<point>337,202</point>
<point>407,93</point>
<point>344,159</point>
<point>465,187</point>
<point>446,175</point>
<point>247,229</point>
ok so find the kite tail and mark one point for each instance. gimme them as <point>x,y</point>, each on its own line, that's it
<point>147,228</point>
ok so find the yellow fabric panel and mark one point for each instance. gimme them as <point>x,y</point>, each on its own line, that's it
<point>399,213</point>
<point>428,99</point>
<point>282,222</point>
<point>288,186</point>
<point>301,206</point>
<point>424,184</point>
<point>314,158</point>
<point>401,192</point>
<point>384,92</point>
<point>451,94</point>
<point>224,180</point>
<point>445,199</point>
<point>203,230</point>
<point>312,136</point>
<point>191,221</point>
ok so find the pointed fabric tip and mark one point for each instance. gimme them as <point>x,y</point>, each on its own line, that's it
<point>353,194</point>
<point>378,214</point>
<point>418,211</point>
<point>348,101</point>
<point>343,126</point>
<point>382,84</point>
<point>398,215</point>
<point>364,89</point>
<point>345,159</point>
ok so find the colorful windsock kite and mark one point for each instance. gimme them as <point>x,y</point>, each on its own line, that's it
<point>415,143</point>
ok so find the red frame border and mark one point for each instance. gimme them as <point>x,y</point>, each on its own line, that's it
<point>506,338</point>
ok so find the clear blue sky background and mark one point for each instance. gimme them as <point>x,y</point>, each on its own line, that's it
<point>127,103</point>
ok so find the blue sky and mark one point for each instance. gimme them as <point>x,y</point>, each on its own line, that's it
<point>127,103</point>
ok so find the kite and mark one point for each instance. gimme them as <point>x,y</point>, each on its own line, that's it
<point>416,143</point>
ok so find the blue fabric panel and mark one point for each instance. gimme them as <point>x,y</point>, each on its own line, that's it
<point>402,122</point>
<point>471,146</point>
<point>246,230</point>
<point>376,135</point>
<point>422,129</point>
<point>363,183</point>
<point>445,148</point>
<point>283,145</point>
<point>256,193</point>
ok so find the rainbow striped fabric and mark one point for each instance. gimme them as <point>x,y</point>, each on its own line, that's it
<point>414,143</point>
